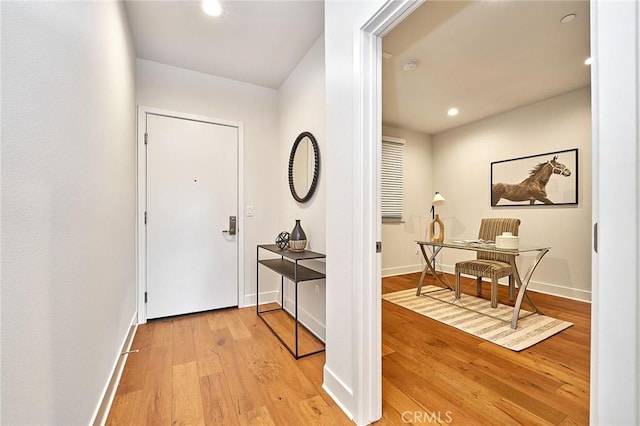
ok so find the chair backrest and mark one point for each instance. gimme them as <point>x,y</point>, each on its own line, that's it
<point>492,227</point>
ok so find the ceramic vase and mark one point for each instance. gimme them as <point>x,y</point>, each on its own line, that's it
<point>297,239</point>
<point>439,237</point>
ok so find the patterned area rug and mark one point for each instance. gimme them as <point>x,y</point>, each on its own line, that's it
<point>476,316</point>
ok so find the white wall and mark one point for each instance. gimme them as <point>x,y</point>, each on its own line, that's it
<point>615,321</point>
<point>68,206</point>
<point>399,250</point>
<point>462,159</point>
<point>344,369</point>
<point>301,105</point>
<point>463,154</point>
<point>180,90</point>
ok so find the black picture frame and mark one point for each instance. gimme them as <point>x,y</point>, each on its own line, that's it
<point>535,180</point>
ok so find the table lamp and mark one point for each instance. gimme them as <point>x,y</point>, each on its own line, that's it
<point>438,199</point>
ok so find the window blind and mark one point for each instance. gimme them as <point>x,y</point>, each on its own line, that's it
<point>392,177</point>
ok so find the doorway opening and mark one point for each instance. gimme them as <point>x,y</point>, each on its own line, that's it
<point>437,146</point>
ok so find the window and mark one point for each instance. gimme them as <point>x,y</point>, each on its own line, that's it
<point>392,177</point>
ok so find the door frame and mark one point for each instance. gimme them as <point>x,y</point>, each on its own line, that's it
<point>367,211</point>
<point>614,390</point>
<point>141,195</point>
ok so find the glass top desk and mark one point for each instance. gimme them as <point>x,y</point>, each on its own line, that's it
<point>472,245</point>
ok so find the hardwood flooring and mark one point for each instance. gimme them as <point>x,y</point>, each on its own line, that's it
<point>220,367</point>
<point>280,320</point>
<point>434,373</point>
<point>226,367</point>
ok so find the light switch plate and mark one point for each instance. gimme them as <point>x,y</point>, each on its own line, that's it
<point>249,211</point>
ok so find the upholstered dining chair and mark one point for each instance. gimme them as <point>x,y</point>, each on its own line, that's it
<point>490,265</point>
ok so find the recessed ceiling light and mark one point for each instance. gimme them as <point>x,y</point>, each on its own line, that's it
<point>409,64</point>
<point>588,61</point>
<point>452,112</point>
<point>212,7</point>
<point>568,18</point>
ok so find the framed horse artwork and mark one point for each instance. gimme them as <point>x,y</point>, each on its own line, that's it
<point>550,178</point>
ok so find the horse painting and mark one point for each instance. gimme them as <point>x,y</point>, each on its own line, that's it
<point>533,188</point>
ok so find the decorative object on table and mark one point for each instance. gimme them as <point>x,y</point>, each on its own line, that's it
<point>439,236</point>
<point>438,199</point>
<point>507,241</point>
<point>511,186</point>
<point>481,321</point>
<point>282,240</point>
<point>304,167</point>
<point>297,239</point>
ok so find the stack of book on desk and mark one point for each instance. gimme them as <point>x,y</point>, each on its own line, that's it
<point>476,243</point>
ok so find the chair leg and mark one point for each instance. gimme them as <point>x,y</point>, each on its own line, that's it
<point>494,292</point>
<point>479,285</point>
<point>512,288</point>
<point>457,288</point>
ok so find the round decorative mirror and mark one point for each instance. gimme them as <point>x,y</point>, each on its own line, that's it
<point>304,164</point>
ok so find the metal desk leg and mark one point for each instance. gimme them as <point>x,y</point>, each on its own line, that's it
<point>428,259</point>
<point>522,287</point>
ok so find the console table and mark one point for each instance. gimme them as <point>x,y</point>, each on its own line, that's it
<point>288,267</point>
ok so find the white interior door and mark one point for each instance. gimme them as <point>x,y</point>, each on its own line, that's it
<point>192,190</point>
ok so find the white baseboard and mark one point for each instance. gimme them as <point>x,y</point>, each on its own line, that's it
<point>265,297</point>
<point>542,287</point>
<point>109,392</point>
<point>401,270</point>
<point>341,394</point>
<point>560,291</point>
<point>315,326</point>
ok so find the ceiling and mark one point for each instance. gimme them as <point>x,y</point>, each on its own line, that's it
<point>483,58</point>
<point>258,42</point>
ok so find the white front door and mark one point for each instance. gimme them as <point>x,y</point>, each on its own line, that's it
<point>192,191</point>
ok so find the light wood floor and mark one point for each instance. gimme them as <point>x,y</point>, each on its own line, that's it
<point>427,366</point>
<point>225,367</point>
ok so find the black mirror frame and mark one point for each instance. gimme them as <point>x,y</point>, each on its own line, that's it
<point>316,168</point>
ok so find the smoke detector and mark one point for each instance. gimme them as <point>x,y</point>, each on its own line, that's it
<point>409,64</point>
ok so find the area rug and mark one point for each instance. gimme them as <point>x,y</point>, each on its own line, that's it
<point>476,316</point>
